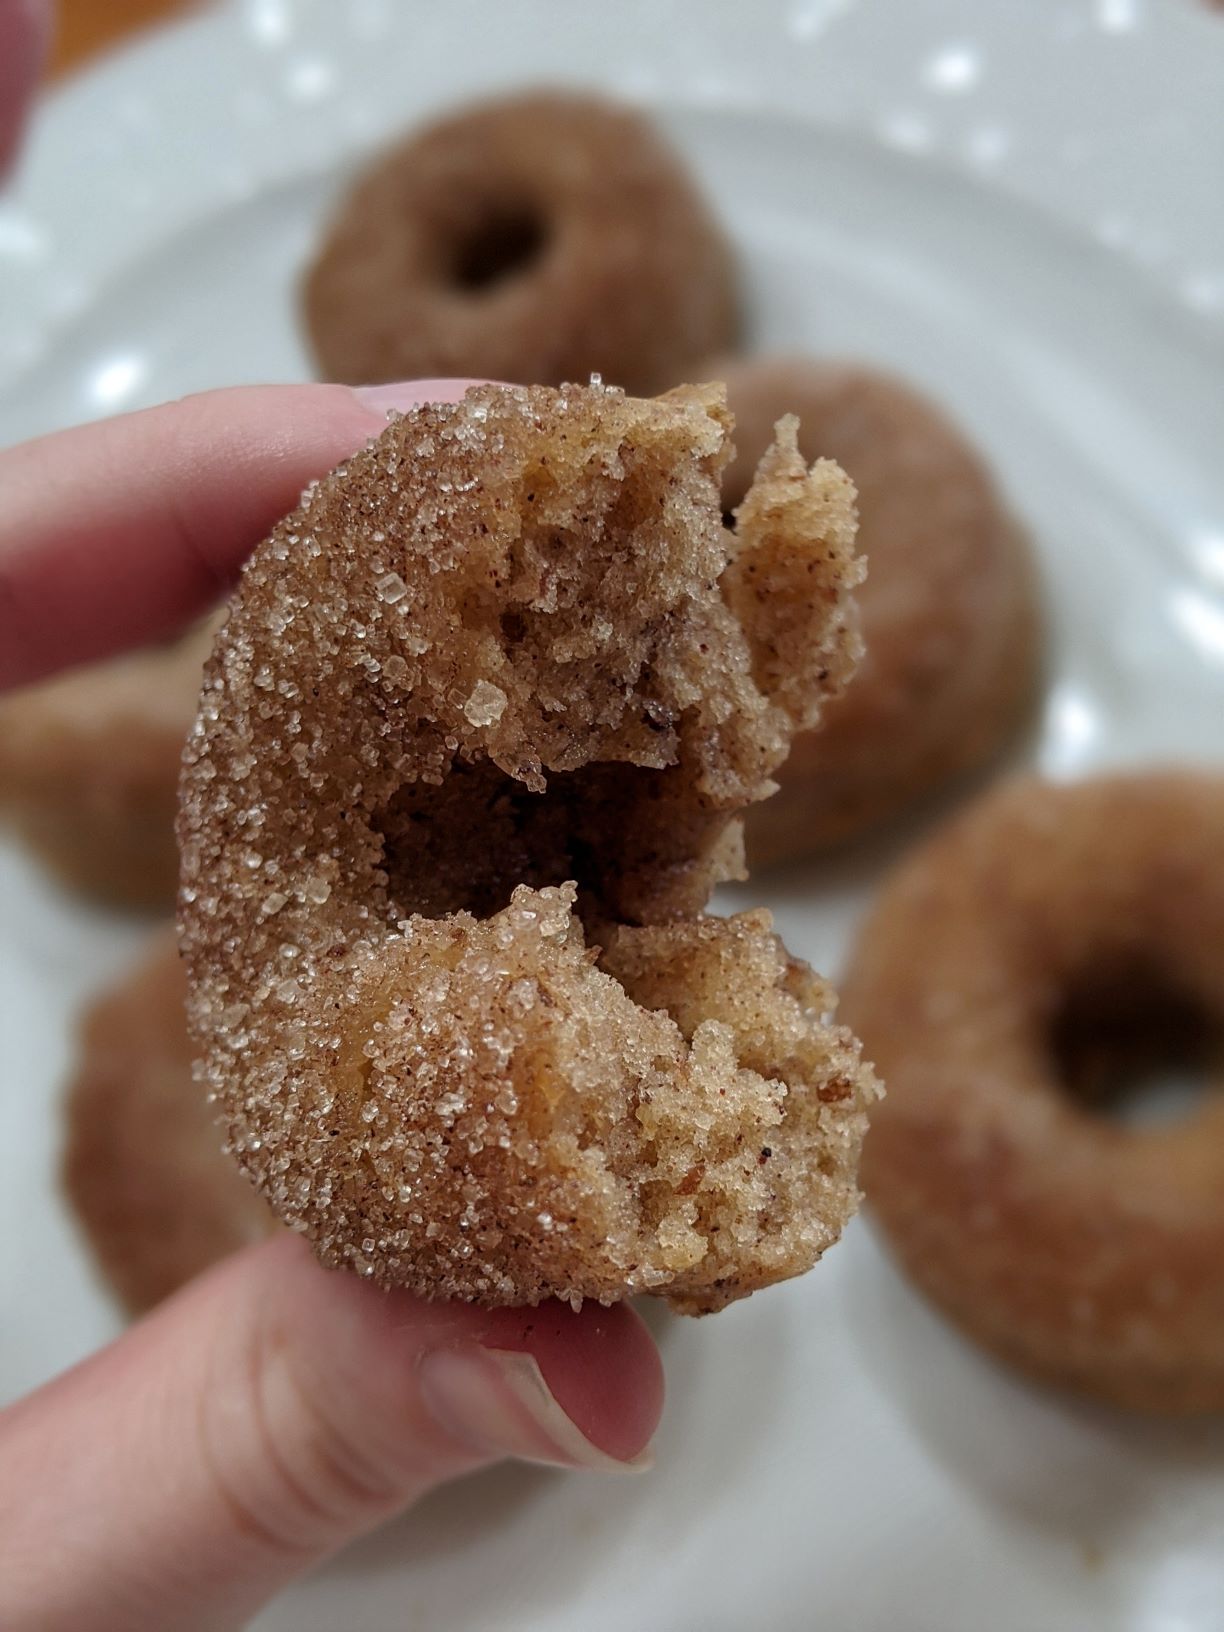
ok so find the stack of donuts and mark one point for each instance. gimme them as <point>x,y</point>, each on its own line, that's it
<point>554,238</point>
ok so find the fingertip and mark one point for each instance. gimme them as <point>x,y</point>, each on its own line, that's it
<point>25,39</point>
<point>601,1365</point>
<point>401,395</point>
<point>121,532</point>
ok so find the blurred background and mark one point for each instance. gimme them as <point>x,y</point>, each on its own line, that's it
<point>88,26</point>
<point>979,250</point>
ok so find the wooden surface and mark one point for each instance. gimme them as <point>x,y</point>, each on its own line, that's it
<point>84,27</point>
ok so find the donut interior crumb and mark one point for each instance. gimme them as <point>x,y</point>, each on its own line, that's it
<point>470,758</point>
<point>680,1111</point>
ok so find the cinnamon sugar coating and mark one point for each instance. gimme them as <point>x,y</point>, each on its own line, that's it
<point>1020,962</point>
<point>537,239</point>
<point>470,755</point>
<point>89,765</point>
<point>143,1165</point>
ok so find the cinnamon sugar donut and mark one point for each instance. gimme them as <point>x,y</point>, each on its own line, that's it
<point>1043,943</point>
<point>89,766</point>
<point>470,756</point>
<point>156,1196</point>
<point>949,609</point>
<point>534,239</point>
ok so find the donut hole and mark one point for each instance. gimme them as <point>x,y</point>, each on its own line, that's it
<point>577,829</point>
<point>496,245</point>
<point>1134,1047</point>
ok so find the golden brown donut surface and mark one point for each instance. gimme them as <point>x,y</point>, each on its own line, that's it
<point>89,765</point>
<point>143,1166</point>
<point>1009,962</point>
<point>537,239</point>
<point>949,608</point>
<point>470,756</point>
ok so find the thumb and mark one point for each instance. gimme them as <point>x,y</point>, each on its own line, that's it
<point>272,1411</point>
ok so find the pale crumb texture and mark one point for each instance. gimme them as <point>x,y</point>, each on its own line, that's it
<point>469,758</point>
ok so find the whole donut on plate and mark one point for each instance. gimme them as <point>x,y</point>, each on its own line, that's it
<point>538,239</point>
<point>1044,944</point>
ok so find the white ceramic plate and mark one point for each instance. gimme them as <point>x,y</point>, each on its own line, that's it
<point>1019,206</point>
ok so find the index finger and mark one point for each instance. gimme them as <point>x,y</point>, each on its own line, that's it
<point>25,34</point>
<point>119,533</point>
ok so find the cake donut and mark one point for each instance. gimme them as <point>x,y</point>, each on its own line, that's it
<point>535,239</point>
<point>89,771</point>
<point>949,609</point>
<point>471,752</point>
<point>143,1169</point>
<point>1043,945</point>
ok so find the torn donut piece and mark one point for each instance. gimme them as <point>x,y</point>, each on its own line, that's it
<point>471,753</point>
<point>951,610</point>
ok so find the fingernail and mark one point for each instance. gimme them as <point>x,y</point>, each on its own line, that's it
<point>401,395</point>
<point>498,1402</point>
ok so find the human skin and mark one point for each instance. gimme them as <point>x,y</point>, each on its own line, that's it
<point>25,35</point>
<point>272,1410</point>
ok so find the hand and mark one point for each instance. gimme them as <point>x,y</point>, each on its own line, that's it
<point>25,34</point>
<point>272,1410</point>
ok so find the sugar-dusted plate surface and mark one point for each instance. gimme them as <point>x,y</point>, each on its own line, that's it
<point>1019,208</point>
